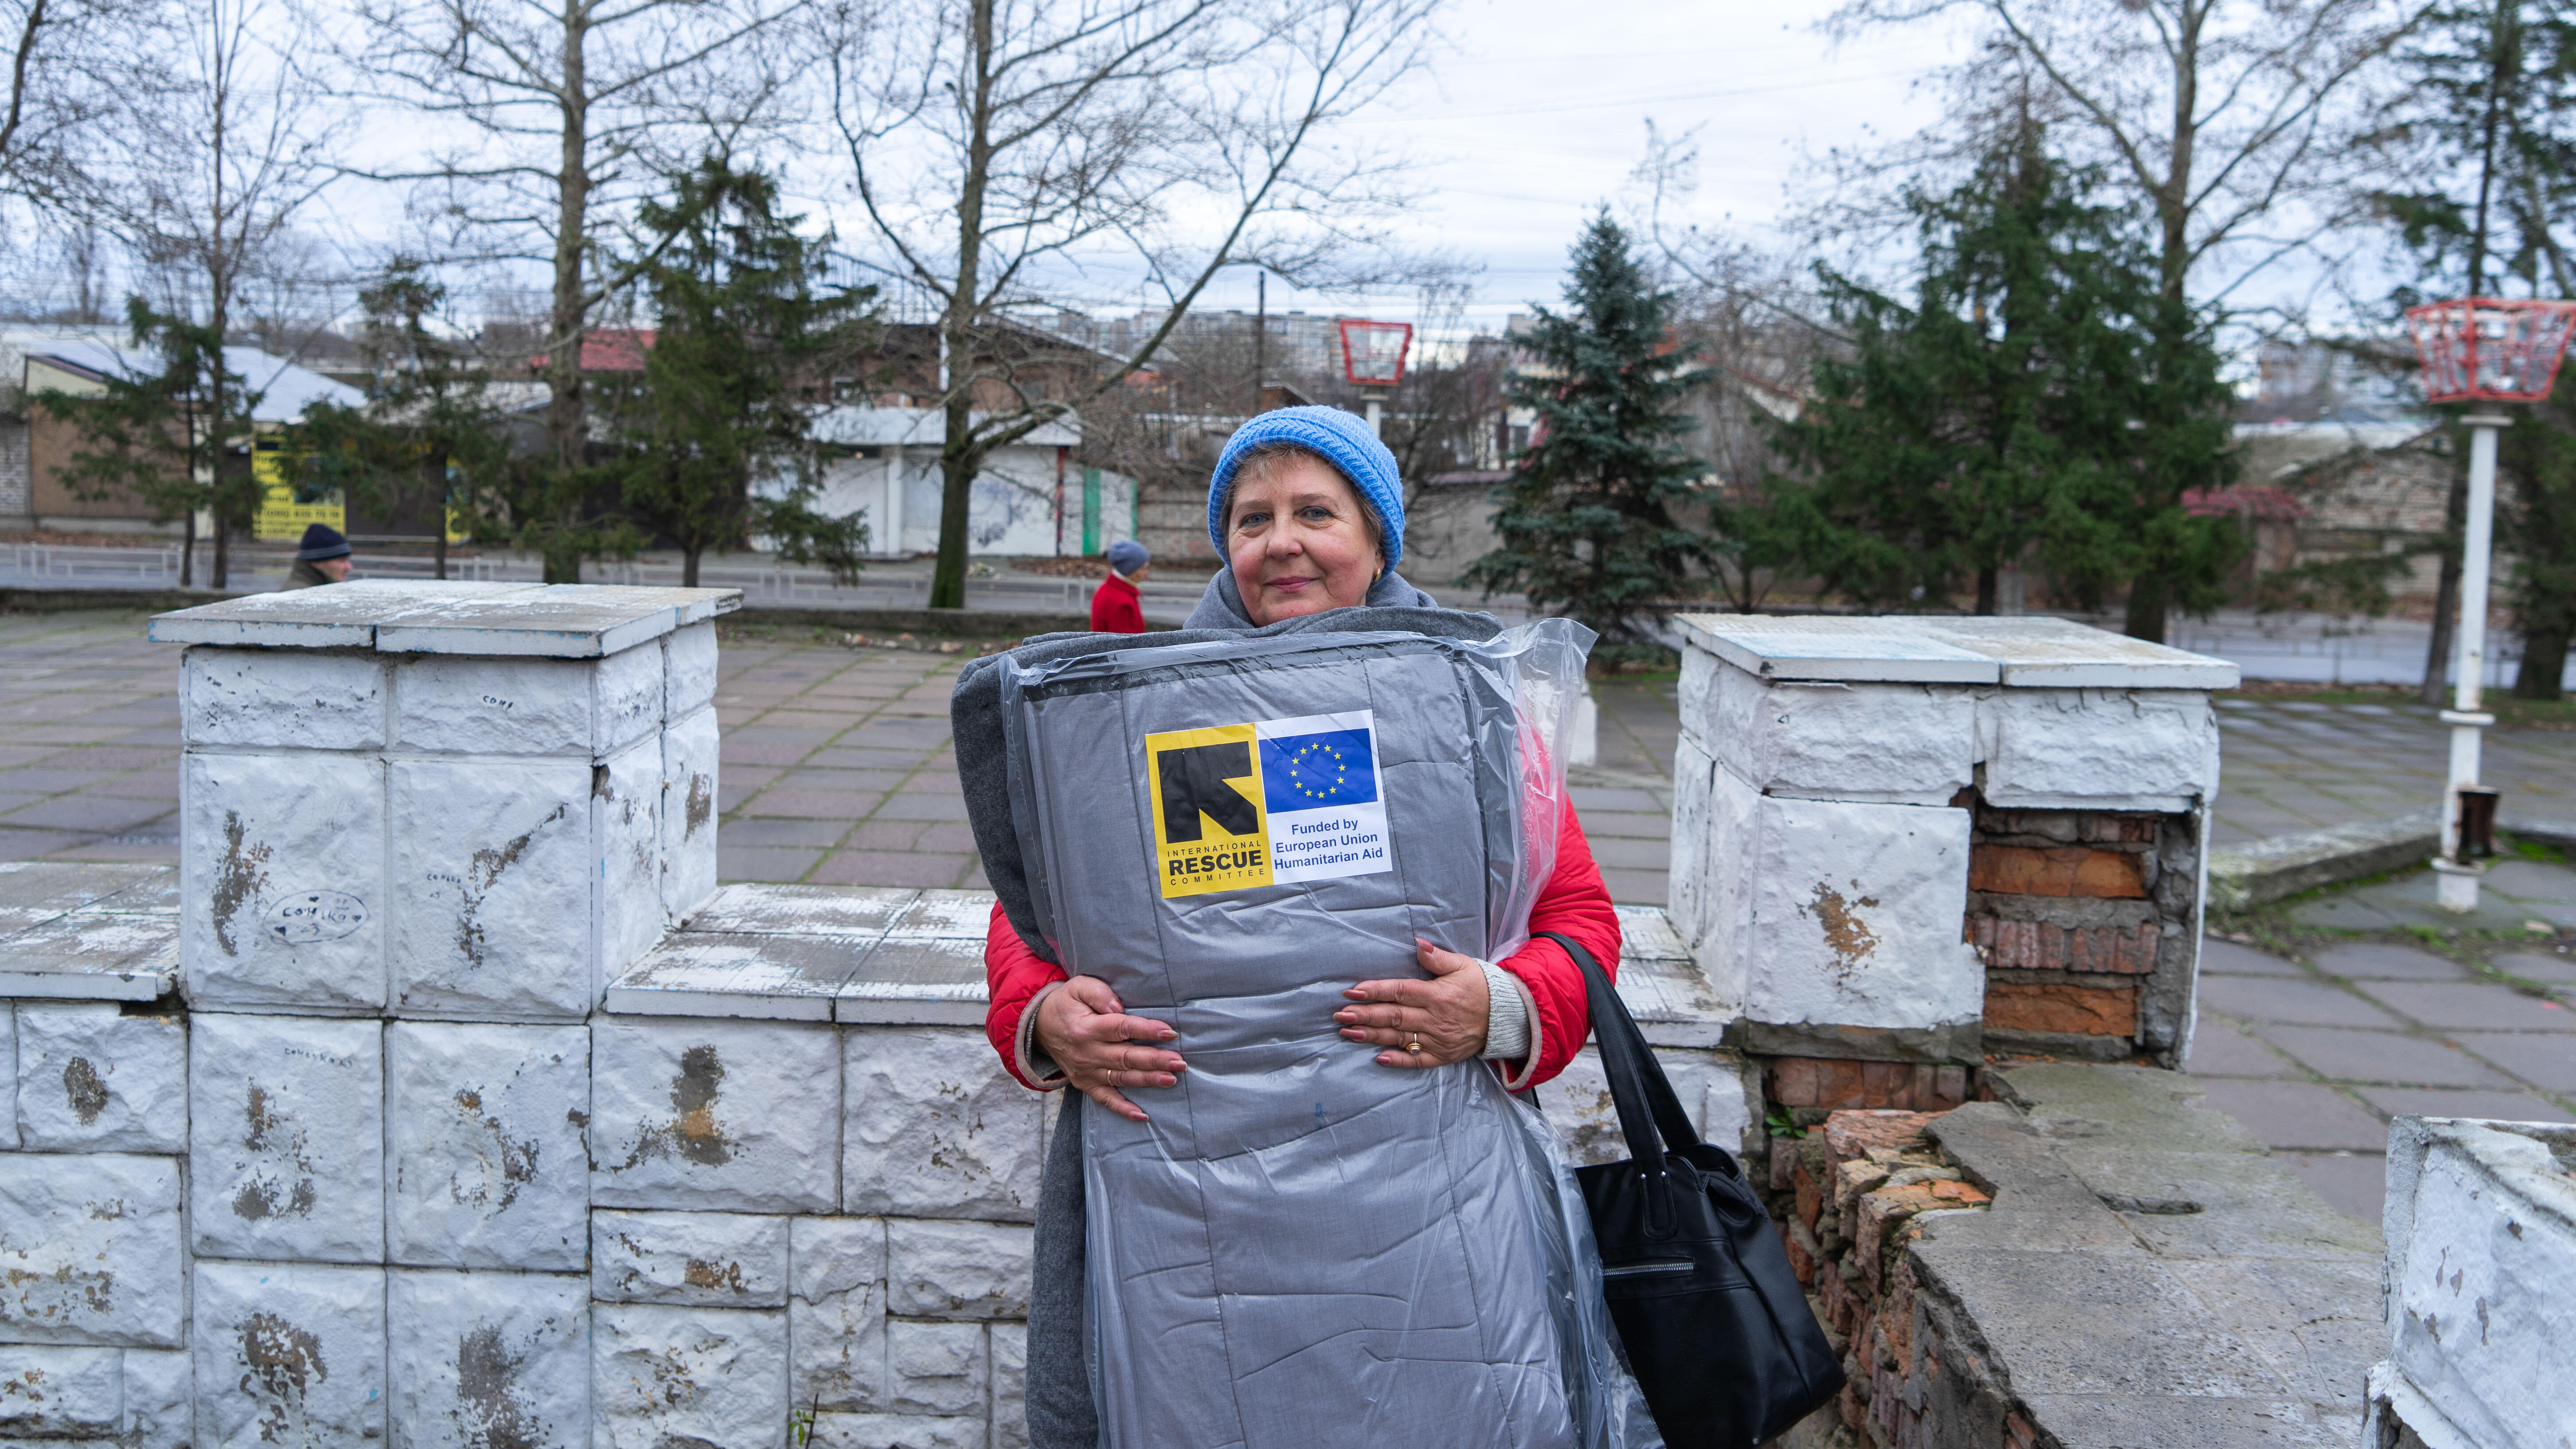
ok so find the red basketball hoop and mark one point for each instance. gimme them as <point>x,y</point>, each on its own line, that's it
<point>1373,352</point>
<point>2486,349</point>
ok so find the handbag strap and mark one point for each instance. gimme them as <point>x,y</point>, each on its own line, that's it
<point>1650,1114</point>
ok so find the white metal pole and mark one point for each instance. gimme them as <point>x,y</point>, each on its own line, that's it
<point>1376,413</point>
<point>2456,878</point>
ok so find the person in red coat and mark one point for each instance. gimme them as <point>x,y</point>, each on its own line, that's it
<point>1302,532</point>
<point>1115,608</point>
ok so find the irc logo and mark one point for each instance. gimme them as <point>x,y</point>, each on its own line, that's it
<point>1270,803</point>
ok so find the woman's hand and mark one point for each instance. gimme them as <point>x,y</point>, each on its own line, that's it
<point>1443,1017</point>
<point>1091,1038</point>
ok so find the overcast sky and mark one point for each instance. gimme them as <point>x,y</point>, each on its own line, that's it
<point>1538,115</point>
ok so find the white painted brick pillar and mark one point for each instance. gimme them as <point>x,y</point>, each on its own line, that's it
<point>477,802</point>
<point>2479,1280</point>
<point>1826,781</point>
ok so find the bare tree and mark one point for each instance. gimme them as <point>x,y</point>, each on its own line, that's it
<point>2227,120</point>
<point>572,111</point>
<point>217,141</point>
<point>65,62</point>
<point>1760,330</point>
<point>1001,147</point>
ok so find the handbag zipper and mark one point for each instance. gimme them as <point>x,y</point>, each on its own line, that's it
<point>1651,1268</point>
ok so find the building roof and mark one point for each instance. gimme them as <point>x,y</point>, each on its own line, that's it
<point>2245,500</point>
<point>867,427</point>
<point>284,389</point>
<point>609,349</point>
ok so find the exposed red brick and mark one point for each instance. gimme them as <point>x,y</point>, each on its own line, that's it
<point>1850,1135</point>
<point>1811,1199</point>
<point>2066,870</point>
<point>1896,1318</point>
<point>1838,1084</point>
<point>2084,1010</point>
<point>2039,946</point>
<point>1887,1402</point>
<point>1881,1215</point>
<point>1802,1252</point>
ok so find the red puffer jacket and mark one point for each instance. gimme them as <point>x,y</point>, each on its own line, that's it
<point>1574,903</point>
<point>1116,608</point>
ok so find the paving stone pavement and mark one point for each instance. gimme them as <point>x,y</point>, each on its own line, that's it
<point>2291,765</point>
<point>2315,1055</point>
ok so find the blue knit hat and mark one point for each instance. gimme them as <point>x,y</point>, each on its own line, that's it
<point>1344,440</point>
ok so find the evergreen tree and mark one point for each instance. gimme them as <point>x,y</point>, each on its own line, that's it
<point>717,427</point>
<point>1586,523</point>
<point>178,440</point>
<point>2025,408</point>
<point>429,436</point>
<point>2482,145</point>
<point>2536,461</point>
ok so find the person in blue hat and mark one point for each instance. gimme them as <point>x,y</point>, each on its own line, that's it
<point>322,558</point>
<point>1307,511</point>
<point>1117,608</point>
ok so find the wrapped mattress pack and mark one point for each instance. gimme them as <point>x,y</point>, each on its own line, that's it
<point>1230,834</point>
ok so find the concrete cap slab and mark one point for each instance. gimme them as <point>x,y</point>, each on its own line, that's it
<point>739,974</point>
<point>342,616</point>
<point>1860,650</point>
<point>84,957</point>
<point>555,621</point>
<point>761,909</point>
<point>2041,652</point>
<point>2028,652</point>
<point>83,931</point>
<point>913,978</point>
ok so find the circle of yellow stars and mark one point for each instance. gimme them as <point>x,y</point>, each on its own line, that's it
<point>1297,769</point>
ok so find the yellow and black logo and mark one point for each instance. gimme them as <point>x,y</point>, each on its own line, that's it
<point>1209,829</point>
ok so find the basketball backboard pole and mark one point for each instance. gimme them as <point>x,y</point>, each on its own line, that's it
<point>2481,351</point>
<point>1373,360</point>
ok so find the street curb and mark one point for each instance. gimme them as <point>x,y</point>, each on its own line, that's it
<point>2269,870</point>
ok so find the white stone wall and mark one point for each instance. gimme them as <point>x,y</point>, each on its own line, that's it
<point>635,1231</point>
<point>2481,1286</point>
<point>387,1175</point>
<point>1820,848</point>
<point>365,831</point>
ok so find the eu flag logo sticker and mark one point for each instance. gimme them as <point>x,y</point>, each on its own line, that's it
<point>1274,802</point>
<point>1320,797</point>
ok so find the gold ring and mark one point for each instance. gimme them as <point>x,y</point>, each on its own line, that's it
<point>1413,1046</point>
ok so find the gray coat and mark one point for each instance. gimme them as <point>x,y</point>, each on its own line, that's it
<point>1061,1414</point>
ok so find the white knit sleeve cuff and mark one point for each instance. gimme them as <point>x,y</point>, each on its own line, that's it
<point>1507,1015</point>
<point>1036,1067</point>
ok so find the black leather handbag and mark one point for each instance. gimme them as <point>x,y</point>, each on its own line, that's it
<point>1709,1313</point>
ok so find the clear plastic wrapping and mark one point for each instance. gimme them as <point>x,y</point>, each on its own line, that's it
<point>1229,834</point>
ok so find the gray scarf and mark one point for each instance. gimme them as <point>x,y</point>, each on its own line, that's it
<point>1221,607</point>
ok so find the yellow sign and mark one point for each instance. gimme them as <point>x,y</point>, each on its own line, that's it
<point>280,517</point>
<point>1209,830</point>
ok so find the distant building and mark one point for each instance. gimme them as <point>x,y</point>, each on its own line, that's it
<point>1032,497</point>
<point>2350,382</point>
<point>80,363</point>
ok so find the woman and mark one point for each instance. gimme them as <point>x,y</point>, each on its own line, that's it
<point>1306,508</point>
<point>1116,608</point>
